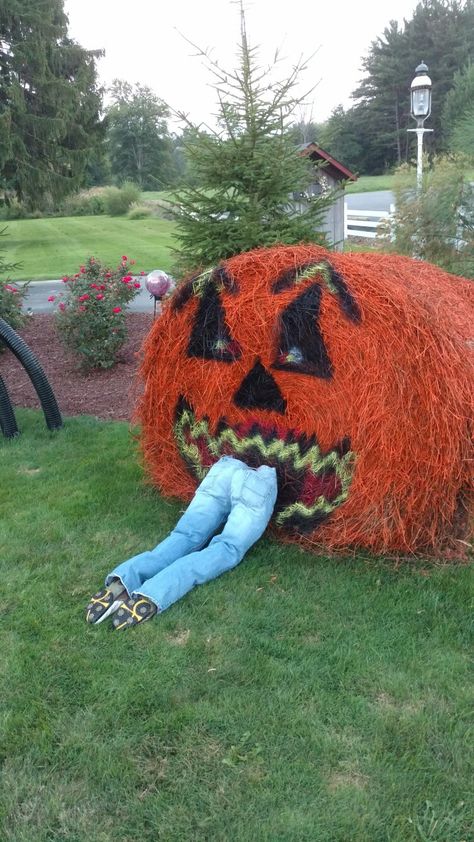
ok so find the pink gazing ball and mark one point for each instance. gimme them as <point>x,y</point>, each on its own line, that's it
<point>158,283</point>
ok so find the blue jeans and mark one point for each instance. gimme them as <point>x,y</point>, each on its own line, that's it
<point>231,493</point>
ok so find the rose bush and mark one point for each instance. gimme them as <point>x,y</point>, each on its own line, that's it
<point>11,299</point>
<point>90,316</point>
<point>11,295</point>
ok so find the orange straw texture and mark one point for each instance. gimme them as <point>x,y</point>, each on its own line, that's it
<point>401,390</point>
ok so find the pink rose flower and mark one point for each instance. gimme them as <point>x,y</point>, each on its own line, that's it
<point>99,297</point>
<point>117,310</point>
<point>137,285</point>
<point>84,297</point>
<point>62,306</point>
<point>51,298</point>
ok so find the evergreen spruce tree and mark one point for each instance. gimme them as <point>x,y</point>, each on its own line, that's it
<point>49,102</point>
<point>458,113</point>
<point>439,33</point>
<point>247,178</point>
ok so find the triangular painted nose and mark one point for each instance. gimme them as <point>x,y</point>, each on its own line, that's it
<point>259,390</point>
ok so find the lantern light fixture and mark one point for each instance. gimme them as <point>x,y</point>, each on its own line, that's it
<point>420,111</point>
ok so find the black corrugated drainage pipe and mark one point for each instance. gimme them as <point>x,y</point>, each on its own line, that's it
<point>36,374</point>
<point>7,416</point>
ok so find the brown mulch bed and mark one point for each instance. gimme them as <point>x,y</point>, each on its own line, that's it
<point>110,393</point>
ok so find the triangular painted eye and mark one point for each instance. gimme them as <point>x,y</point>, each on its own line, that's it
<point>301,346</point>
<point>210,337</point>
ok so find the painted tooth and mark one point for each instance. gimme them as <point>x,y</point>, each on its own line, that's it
<point>343,446</point>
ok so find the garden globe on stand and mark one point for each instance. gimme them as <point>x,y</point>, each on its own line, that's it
<point>158,284</point>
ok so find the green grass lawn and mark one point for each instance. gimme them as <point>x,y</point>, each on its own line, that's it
<point>368,183</point>
<point>296,698</point>
<point>157,195</point>
<point>51,248</point>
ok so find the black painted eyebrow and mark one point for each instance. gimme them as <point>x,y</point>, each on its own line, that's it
<point>219,278</point>
<point>295,274</point>
<point>330,276</point>
<point>347,301</point>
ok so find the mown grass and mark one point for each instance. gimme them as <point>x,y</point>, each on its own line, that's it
<point>157,195</point>
<point>368,183</point>
<point>296,698</point>
<point>50,248</point>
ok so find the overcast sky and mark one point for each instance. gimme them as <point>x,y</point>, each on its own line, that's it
<point>142,43</point>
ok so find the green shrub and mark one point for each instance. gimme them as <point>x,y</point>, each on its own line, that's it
<point>130,191</point>
<point>435,223</point>
<point>14,210</point>
<point>139,212</point>
<point>91,314</point>
<point>117,200</point>
<point>11,295</point>
<point>85,203</point>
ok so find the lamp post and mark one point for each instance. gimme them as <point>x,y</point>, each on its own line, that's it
<point>420,110</point>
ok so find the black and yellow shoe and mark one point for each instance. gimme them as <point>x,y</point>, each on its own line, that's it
<point>105,602</point>
<point>135,610</point>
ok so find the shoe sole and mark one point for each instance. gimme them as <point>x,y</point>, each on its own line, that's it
<point>110,610</point>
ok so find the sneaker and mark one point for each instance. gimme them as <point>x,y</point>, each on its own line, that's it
<point>135,610</point>
<point>105,602</point>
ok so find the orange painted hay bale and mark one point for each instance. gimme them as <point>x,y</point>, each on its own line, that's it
<point>350,373</point>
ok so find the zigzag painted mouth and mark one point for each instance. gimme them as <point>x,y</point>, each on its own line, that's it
<point>311,484</point>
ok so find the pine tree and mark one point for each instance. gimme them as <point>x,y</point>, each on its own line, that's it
<point>49,102</point>
<point>458,113</point>
<point>439,33</point>
<point>245,173</point>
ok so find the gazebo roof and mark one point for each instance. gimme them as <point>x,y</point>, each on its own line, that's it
<point>333,167</point>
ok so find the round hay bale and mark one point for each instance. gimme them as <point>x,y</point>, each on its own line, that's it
<point>350,373</point>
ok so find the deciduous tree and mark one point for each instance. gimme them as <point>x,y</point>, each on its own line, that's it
<point>138,141</point>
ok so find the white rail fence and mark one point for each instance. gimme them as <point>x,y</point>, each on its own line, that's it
<point>365,223</point>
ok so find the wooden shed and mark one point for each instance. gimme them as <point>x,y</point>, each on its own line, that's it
<point>329,175</point>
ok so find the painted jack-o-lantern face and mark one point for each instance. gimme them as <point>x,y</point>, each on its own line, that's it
<point>312,482</point>
<point>276,358</point>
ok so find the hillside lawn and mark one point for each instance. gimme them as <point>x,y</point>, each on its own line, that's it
<point>50,248</point>
<point>298,697</point>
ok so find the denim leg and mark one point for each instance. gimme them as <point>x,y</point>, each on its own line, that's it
<point>253,495</point>
<point>205,514</point>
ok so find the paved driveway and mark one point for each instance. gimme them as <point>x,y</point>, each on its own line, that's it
<point>378,200</point>
<point>39,292</point>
